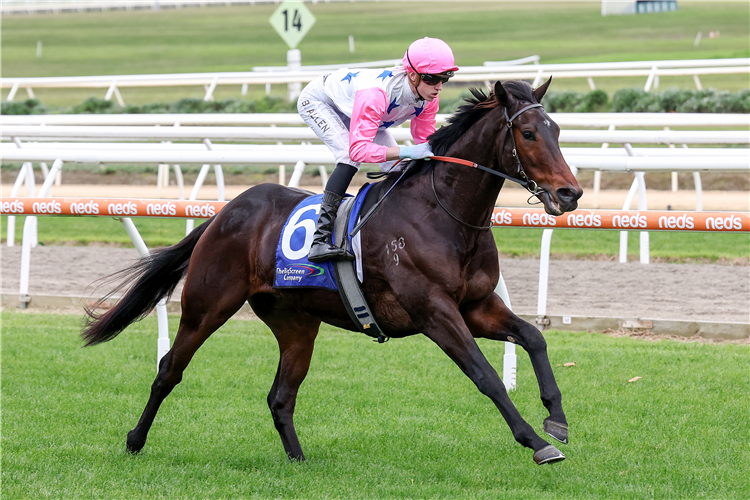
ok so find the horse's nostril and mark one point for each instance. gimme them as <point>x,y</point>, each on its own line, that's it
<point>567,195</point>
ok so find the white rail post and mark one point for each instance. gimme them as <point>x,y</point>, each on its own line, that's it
<point>598,173</point>
<point>537,78</point>
<point>30,237</point>
<point>642,206</point>
<point>294,63</point>
<point>160,177</point>
<point>194,194</point>
<point>178,175</point>
<point>299,167</point>
<point>11,238</point>
<point>114,90</point>
<point>650,79</point>
<point>640,180</point>
<point>110,91</point>
<point>675,178</point>
<point>510,360</point>
<point>180,181</point>
<point>162,321</point>
<point>219,183</point>
<point>323,175</point>
<point>626,206</point>
<point>698,188</point>
<point>12,92</point>
<point>218,171</point>
<point>31,187</point>
<point>624,234</point>
<point>210,90</point>
<point>541,301</point>
<point>697,82</point>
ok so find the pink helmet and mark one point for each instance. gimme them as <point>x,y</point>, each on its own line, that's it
<point>429,55</point>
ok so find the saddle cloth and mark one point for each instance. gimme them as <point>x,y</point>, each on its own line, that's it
<point>293,269</point>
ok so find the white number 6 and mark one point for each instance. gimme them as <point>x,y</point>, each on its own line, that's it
<point>308,225</point>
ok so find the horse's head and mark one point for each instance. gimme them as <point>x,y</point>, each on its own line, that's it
<point>531,150</point>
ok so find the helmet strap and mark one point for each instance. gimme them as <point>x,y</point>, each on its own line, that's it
<point>416,85</point>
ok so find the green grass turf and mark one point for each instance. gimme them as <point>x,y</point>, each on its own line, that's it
<point>519,242</point>
<point>238,38</point>
<point>397,420</point>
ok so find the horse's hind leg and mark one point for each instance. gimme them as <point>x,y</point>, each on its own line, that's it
<point>206,304</point>
<point>295,333</point>
<point>491,319</point>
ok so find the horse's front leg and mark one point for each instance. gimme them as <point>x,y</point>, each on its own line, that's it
<point>491,319</point>
<point>445,326</point>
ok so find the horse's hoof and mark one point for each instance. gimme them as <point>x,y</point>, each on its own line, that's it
<point>134,445</point>
<point>548,455</point>
<point>556,430</point>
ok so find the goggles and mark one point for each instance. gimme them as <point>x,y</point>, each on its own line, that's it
<point>428,78</point>
<point>433,80</point>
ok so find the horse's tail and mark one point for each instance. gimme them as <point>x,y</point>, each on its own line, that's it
<point>149,280</point>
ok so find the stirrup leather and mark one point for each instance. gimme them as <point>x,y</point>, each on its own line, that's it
<point>323,248</point>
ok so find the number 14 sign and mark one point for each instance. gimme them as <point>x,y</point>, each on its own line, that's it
<point>292,20</point>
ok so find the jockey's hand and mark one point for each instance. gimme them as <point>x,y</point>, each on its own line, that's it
<point>417,152</point>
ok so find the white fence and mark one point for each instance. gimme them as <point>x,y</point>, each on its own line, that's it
<point>124,127</point>
<point>626,158</point>
<point>639,120</point>
<point>487,73</point>
<point>128,152</point>
<point>307,134</point>
<point>56,6</point>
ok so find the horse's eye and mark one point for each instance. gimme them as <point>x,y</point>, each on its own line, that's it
<point>529,136</point>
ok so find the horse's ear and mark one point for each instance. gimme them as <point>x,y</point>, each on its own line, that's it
<point>501,95</point>
<point>541,90</point>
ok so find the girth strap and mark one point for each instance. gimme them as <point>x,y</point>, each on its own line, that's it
<point>346,277</point>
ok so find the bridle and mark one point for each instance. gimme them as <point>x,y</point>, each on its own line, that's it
<point>522,179</point>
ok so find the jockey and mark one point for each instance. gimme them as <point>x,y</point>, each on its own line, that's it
<point>351,111</point>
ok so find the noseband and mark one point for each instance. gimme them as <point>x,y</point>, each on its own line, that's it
<point>522,179</point>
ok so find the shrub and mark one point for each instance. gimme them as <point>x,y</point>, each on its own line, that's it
<point>269,104</point>
<point>561,102</point>
<point>94,105</point>
<point>451,105</point>
<point>157,107</point>
<point>27,107</point>
<point>624,100</point>
<point>592,102</point>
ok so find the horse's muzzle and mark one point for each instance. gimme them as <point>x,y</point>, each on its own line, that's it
<point>563,200</point>
<point>567,198</point>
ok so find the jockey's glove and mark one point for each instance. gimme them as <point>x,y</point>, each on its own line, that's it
<point>416,152</point>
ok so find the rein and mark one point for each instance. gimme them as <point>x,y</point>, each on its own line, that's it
<point>530,185</point>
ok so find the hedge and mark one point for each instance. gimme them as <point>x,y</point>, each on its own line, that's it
<point>672,100</point>
<point>94,105</point>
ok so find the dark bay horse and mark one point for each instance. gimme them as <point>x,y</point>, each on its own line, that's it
<point>442,284</point>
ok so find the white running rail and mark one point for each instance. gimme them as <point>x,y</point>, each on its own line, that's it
<point>652,70</point>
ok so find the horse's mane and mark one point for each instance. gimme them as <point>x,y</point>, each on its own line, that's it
<point>478,105</point>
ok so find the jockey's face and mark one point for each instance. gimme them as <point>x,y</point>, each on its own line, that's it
<point>428,92</point>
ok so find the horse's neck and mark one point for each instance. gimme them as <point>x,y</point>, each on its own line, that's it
<point>472,191</point>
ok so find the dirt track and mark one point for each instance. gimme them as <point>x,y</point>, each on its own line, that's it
<point>696,292</point>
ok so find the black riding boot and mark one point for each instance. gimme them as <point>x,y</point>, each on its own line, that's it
<point>322,248</point>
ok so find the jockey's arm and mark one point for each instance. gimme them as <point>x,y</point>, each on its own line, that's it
<point>369,106</point>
